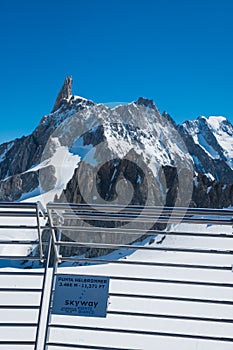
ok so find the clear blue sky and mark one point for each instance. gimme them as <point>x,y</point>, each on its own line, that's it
<point>177,52</point>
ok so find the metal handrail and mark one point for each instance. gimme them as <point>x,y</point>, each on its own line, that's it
<point>69,216</point>
<point>65,218</point>
<point>21,209</point>
<point>138,209</point>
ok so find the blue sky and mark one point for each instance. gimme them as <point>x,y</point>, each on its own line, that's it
<point>177,52</point>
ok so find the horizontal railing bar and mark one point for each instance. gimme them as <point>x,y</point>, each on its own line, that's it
<point>162,297</point>
<point>121,216</point>
<point>146,263</point>
<point>82,346</point>
<point>18,205</point>
<point>20,307</point>
<point>169,281</point>
<point>18,324</point>
<point>14,257</point>
<point>148,209</point>
<point>158,280</point>
<point>7,242</point>
<point>23,273</point>
<point>137,247</point>
<point>143,332</point>
<point>18,214</point>
<point>22,290</point>
<point>23,205</point>
<point>16,342</point>
<point>138,232</point>
<point>130,209</point>
<point>24,227</point>
<point>172,317</point>
<point>145,218</point>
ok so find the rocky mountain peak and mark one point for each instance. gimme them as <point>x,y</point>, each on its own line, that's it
<point>169,118</point>
<point>64,94</point>
<point>130,137</point>
<point>146,102</point>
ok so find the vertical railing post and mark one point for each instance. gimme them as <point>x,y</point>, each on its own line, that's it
<point>54,270</point>
<point>39,232</point>
<point>40,331</point>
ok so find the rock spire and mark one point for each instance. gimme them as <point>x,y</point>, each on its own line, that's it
<point>64,94</point>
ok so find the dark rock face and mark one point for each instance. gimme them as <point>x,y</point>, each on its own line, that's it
<point>12,188</point>
<point>211,158</point>
<point>115,180</point>
<point>20,156</point>
<point>211,194</point>
<point>64,94</point>
<point>205,164</point>
<point>145,102</point>
<point>169,118</point>
<point>117,172</point>
<point>94,137</point>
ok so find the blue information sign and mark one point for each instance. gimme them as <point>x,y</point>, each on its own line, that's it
<point>80,295</point>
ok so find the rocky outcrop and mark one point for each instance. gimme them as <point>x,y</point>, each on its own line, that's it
<point>15,186</point>
<point>144,188</point>
<point>114,181</point>
<point>211,194</point>
<point>146,102</point>
<point>64,94</point>
<point>22,154</point>
<point>209,142</point>
<point>204,164</point>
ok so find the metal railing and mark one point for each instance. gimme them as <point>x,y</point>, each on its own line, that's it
<point>170,273</point>
<point>21,287</point>
<point>166,281</point>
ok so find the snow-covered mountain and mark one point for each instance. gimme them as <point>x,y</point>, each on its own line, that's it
<point>122,154</point>
<point>210,142</point>
<point>20,159</point>
<point>83,151</point>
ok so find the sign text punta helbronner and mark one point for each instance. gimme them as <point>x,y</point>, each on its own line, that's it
<point>81,295</point>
